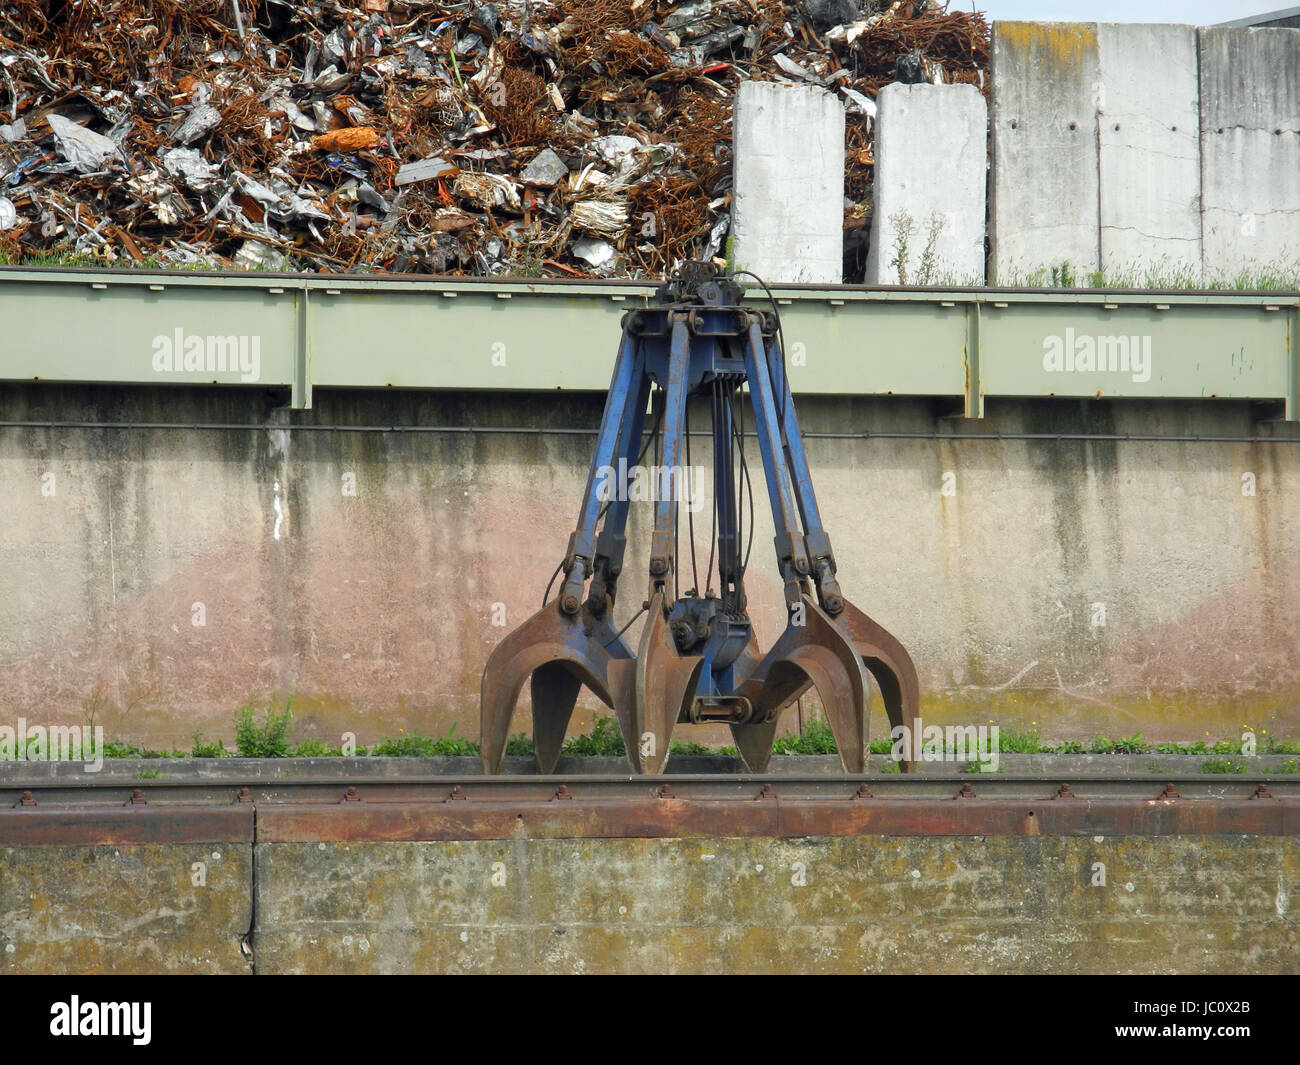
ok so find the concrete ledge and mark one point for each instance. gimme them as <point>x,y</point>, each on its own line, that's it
<point>236,771</point>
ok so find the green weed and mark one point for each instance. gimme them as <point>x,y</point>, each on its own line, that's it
<point>519,744</point>
<point>817,738</point>
<point>267,740</point>
<point>1126,745</point>
<point>203,749</point>
<point>605,740</point>
<point>414,745</point>
<point>1020,742</point>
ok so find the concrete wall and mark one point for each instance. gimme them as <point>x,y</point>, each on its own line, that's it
<point>1043,201</point>
<point>1026,904</point>
<point>1250,148</point>
<point>1144,151</point>
<point>931,158</point>
<point>126,909</point>
<point>788,220</point>
<point>1077,587</point>
<point>1148,151</point>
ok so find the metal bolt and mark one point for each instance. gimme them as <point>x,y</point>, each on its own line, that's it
<point>562,792</point>
<point>1261,792</point>
<point>1170,792</point>
<point>1065,792</point>
<point>137,797</point>
<point>26,799</point>
<point>666,792</point>
<point>658,566</point>
<point>351,795</point>
<point>457,793</point>
<point>864,791</point>
<point>244,795</point>
<point>967,792</point>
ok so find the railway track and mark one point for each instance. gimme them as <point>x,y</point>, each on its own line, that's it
<point>359,808</point>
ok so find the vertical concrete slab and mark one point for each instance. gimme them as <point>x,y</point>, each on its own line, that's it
<point>788,220</point>
<point>1043,209</point>
<point>930,169</point>
<point>1250,150</point>
<point>1149,154</point>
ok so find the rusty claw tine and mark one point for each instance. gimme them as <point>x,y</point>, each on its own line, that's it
<point>754,744</point>
<point>819,653</point>
<point>665,686</point>
<point>560,653</point>
<point>754,741</point>
<point>555,691</point>
<point>622,687</point>
<point>892,667</point>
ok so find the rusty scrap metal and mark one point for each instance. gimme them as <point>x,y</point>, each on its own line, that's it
<point>321,134</point>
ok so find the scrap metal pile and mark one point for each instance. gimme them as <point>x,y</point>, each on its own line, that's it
<point>519,137</point>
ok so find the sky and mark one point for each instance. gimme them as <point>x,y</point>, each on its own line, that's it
<point>1193,12</point>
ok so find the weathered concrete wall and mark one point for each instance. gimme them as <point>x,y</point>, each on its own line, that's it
<point>1145,151</point>
<point>1043,204</point>
<point>1250,148</point>
<point>1077,587</point>
<point>1026,904</point>
<point>788,220</point>
<point>914,905</point>
<point>1148,151</point>
<point>931,158</point>
<point>125,909</point>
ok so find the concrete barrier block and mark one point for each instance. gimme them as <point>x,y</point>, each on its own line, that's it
<point>1149,154</point>
<point>1043,210</point>
<point>928,206</point>
<point>788,219</point>
<point>1250,150</point>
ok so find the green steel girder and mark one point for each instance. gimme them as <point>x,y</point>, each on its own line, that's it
<point>97,326</point>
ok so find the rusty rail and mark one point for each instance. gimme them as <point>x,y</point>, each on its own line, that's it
<point>461,808</point>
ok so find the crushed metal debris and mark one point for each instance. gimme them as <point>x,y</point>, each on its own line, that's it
<point>573,138</point>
